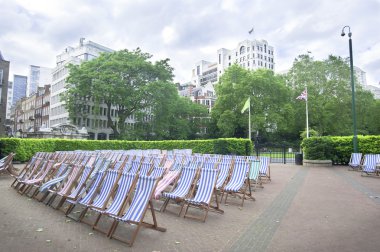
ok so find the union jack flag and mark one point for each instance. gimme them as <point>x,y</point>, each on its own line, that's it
<point>303,95</point>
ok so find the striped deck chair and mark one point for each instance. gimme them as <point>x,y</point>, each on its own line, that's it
<point>23,171</point>
<point>105,190</point>
<point>182,189</point>
<point>54,183</point>
<point>136,211</point>
<point>28,172</point>
<point>264,169</point>
<point>43,176</point>
<point>125,183</point>
<point>355,161</point>
<point>67,184</point>
<point>35,174</point>
<point>254,173</point>
<point>369,164</point>
<point>79,188</point>
<point>157,172</point>
<point>167,179</point>
<point>145,168</point>
<point>224,173</point>
<point>202,199</point>
<point>238,183</point>
<point>90,192</point>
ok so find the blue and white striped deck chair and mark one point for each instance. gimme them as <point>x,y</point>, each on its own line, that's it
<point>106,188</point>
<point>135,166</point>
<point>355,161</point>
<point>158,171</point>
<point>182,188</point>
<point>77,190</point>
<point>369,164</point>
<point>145,168</point>
<point>90,191</point>
<point>60,177</point>
<point>265,168</point>
<point>142,199</point>
<point>238,183</point>
<point>224,172</point>
<point>125,183</point>
<point>202,199</point>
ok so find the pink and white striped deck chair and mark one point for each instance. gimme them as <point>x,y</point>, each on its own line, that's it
<point>142,200</point>
<point>165,182</point>
<point>45,174</point>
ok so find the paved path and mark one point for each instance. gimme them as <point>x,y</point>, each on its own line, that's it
<point>302,209</point>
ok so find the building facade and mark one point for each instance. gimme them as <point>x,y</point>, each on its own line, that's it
<point>86,50</point>
<point>19,87</point>
<point>4,79</point>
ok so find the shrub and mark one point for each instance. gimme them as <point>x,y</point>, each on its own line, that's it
<point>26,148</point>
<point>338,149</point>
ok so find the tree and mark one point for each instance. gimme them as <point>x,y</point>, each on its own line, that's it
<point>122,80</point>
<point>329,96</point>
<point>270,106</point>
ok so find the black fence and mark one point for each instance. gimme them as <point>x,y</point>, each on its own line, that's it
<point>279,153</point>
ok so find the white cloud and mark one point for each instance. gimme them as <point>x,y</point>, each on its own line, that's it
<point>169,35</point>
<point>34,32</point>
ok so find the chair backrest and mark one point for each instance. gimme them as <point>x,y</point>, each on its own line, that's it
<point>369,163</point>
<point>79,188</point>
<point>145,168</point>
<point>238,176</point>
<point>124,185</point>
<point>106,187</point>
<point>165,182</point>
<point>356,159</point>
<point>157,171</point>
<point>224,171</point>
<point>264,164</point>
<point>254,169</point>
<point>185,181</point>
<point>144,190</point>
<point>206,185</point>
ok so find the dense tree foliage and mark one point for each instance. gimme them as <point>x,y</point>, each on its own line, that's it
<point>276,113</point>
<point>130,83</point>
<point>329,97</point>
<point>271,110</point>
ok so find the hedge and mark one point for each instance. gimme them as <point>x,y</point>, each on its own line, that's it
<point>25,148</point>
<point>338,149</point>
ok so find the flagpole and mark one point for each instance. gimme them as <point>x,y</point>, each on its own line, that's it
<point>249,120</point>
<point>307,116</point>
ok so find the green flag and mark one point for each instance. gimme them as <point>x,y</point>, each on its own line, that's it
<point>246,105</point>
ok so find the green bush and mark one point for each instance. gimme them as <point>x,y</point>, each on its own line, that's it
<point>338,149</point>
<point>26,148</point>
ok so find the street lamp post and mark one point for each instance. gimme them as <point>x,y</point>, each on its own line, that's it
<point>355,139</point>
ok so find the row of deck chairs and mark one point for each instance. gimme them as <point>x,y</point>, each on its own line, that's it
<point>368,164</point>
<point>122,185</point>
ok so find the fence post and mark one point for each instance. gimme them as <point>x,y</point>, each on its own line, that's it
<point>284,153</point>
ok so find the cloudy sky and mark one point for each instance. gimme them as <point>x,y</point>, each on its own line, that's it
<point>34,32</point>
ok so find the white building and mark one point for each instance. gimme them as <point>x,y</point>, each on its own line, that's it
<point>86,50</point>
<point>38,77</point>
<point>249,54</point>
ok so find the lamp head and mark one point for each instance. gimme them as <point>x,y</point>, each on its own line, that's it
<point>342,34</point>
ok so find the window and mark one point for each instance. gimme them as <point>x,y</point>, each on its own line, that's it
<point>248,49</point>
<point>220,58</point>
<point>198,70</point>
<point>229,57</point>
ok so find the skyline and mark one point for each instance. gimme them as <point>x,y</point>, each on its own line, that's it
<point>35,32</point>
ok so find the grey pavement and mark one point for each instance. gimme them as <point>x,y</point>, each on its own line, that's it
<point>302,209</point>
